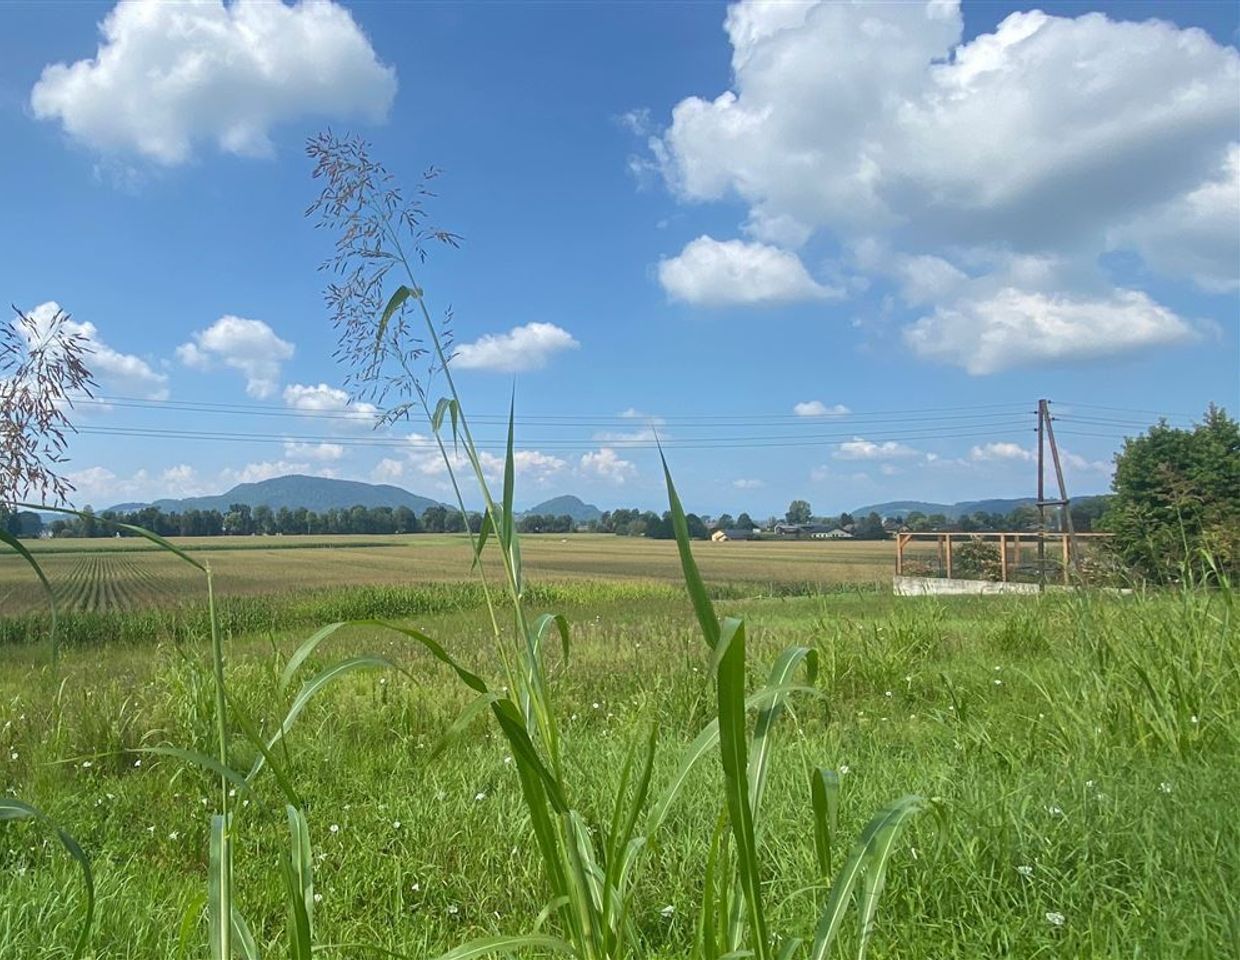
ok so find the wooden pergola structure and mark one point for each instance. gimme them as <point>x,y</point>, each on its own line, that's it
<point>1010,545</point>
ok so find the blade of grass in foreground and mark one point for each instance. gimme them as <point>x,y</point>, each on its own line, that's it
<point>13,809</point>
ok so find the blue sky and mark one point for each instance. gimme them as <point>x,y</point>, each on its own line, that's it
<point>830,251</point>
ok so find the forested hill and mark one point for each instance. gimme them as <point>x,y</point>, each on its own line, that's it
<point>319,494</point>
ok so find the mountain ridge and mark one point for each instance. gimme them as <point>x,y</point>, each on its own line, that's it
<point>953,511</point>
<point>294,491</point>
<point>574,506</point>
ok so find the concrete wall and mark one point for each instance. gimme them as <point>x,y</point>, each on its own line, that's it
<point>937,586</point>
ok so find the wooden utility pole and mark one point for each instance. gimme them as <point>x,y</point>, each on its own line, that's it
<point>1041,497</point>
<point>1046,434</point>
<point>1070,545</point>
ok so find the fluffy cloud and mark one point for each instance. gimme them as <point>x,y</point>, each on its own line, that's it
<point>712,272</point>
<point>116,372</point>
<point>1051,138</point>
<point>816,408</point>
<point>169,75</point>
<point>266,469</point>
<point>387,470</point>
<point>313,451</point>
<point>1195,234</point>
<point>1018,328</point>
<point>324,399</point>
<point>1000,451</point>
<point>606,464</point>
<point>861,449</point>
<point>424,458</point>
<point>527,347</point>
<point>745,484</point>
<point>249,346</point>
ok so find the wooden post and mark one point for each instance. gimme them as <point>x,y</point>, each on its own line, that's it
<point>899,554</point>
<point>1003,557</point>
<point>1041,498</point>
<point>1067,559</point>
<point>1073,552</point>
<point>948,538</point>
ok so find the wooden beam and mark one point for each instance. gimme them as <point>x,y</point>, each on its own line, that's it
<point>1003,557</point>
<point>948,538</point>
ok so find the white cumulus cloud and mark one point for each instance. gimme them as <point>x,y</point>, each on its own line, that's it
<point>116,372</point>
<point>325,399</point>
<point>249,346</point>
<point>816,408</point>
<point>527,347</point>
<point>1018,328</point>
<point>167,76</point>
<point>748,484</point>
<point>859,448</point>
<point>606,464</point>
<point>1000,450</point>
<point>714,272</point>
<point>313,451</point>
<point>387,470</point>
<point>1050,139</point>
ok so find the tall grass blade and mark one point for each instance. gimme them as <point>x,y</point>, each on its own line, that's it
<point>396,301</point>
<point>299,884</point>
<point>730,684</point>
<point>201,760</point>
<point>824,792</point>
<point>509,944</point>
<point>702,606</point>
<point>763,740</point>
<point>219,889</point>
<point>880,847</point>
<point>306,694</point>
<point>886,823</point>
<point>13,809</point>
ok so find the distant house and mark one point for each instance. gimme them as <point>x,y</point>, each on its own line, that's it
<point>720,536</point>
<point>788,529</point>
<point>834,534</point>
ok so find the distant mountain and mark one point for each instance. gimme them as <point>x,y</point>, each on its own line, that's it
<point>579,510</point>
<point>314,493</point>
<point>902,508</point>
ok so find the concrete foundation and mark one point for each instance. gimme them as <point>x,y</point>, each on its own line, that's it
<point>939,587</point>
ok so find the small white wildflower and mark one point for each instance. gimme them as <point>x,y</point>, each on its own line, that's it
<point>507,760</point>
<point>138,762</point>
<point>1165,787</point>
<point>318,898</point>
<point>203,801</point>
<point>1055,918</point>
<point>997,669</point>
<point>174,835</point>
<point>1025,870</point>
<point>383,681</point>
<point>334,828</point>
<point>13,755</point>
<point>453,909</point>
<point>150,829</point>
<point>843,769</point>
<point>417,887</point>
<point>232,792</point>
<point>479,796</point>
<point>395,824</point>
<point>86,764</point>
<point>668,911</point>
<point>595,705</point>
<point>1089,783</point>
<point>887,694</point>
<point>1054,810</point>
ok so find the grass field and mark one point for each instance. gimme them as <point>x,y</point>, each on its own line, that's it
<point>131,574</point>
<point>1080,752</point>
